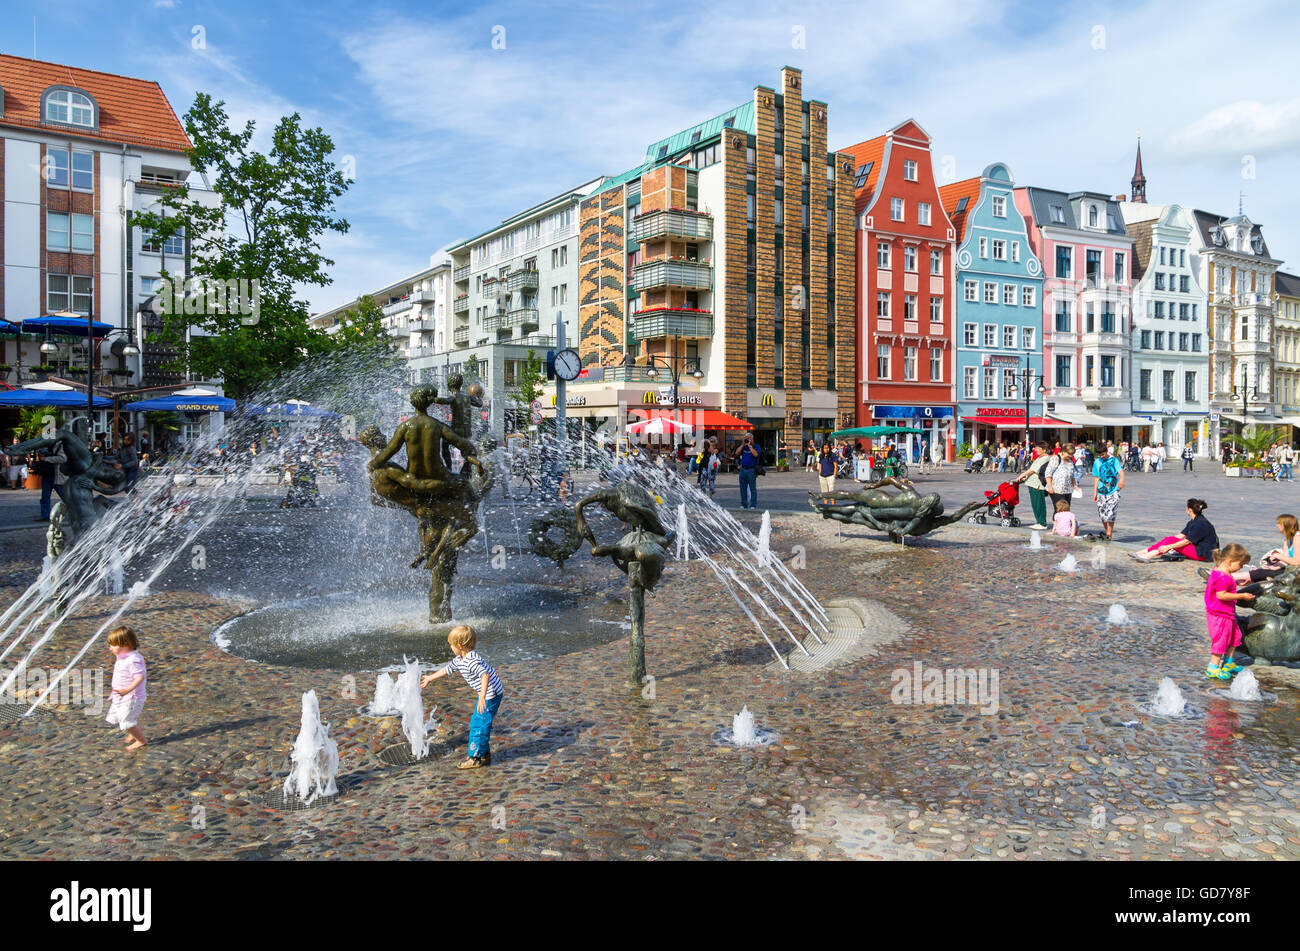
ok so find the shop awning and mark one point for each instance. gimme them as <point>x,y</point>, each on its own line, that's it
<point>1263,419</point>
<point>64,326</point>
<point>876,432</point>
<point>1012,422</point>
<point>1089,419</point>
<point>192,400</point>
<point>699,418</point>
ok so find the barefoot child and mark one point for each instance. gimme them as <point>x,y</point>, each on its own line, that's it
<point>1064,522</point>
<point>128,694</point>
<point>482,678</point>
<point>1221,596</point>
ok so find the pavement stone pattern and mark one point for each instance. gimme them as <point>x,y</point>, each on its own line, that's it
<point>585,766</point>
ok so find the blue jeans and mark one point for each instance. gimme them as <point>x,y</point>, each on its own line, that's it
<point>480,727</point>
<point>748,488</point>
<point>48,486</point>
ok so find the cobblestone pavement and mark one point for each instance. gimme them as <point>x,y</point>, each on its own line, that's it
<point>586,767</point>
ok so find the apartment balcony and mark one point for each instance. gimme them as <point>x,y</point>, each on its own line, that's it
<point>525,280</point>
<point>1097,393</point>
<point>693,275</point>
<point>672,322</point>
<point>460,336</point>
<point>1103,340</point>
<point>494,322</point>
<point>1252,348</point>
<point>414,299</point>
<point>461,304</point>
<point>687,225</point>
<point>461,274</point>
<point>536,340</point>
<point>522,317</point>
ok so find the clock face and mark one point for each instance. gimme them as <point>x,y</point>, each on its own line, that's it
<point>568,364</point>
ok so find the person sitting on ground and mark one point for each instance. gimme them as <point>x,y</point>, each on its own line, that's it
<point>1196,541</point>
<point>1064,522</point>
<point>1275,561</point>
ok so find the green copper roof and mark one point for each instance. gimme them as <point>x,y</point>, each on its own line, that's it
<point>630,175</point>
<point>742,117</point>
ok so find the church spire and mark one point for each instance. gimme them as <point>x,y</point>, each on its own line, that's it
<point>1139,183</point>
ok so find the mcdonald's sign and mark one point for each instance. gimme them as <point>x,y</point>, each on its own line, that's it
<point>767,399</point>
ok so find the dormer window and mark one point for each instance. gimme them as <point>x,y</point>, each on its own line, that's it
<point>1257,243</point>
<point>67,106</point>
<point>1058,214</point>
<point>1092,216</point>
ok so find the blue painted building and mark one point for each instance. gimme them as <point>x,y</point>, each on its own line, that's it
<point>997,286</point>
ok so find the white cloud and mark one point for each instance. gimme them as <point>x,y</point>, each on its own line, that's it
<point>1244,127</point>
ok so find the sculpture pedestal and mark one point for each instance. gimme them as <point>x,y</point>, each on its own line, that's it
<point>636,642</point>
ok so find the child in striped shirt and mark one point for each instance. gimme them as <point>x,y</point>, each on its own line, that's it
<point>482,678</point>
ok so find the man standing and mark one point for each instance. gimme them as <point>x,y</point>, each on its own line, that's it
<point>1288,460</point>
<point>747,457</point>
<point>1188,455</point>
<point>1109,479</point>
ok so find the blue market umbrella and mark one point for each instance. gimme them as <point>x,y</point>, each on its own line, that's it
<point>64,326</point>
<point>183,403</point>
<point>69,398</point>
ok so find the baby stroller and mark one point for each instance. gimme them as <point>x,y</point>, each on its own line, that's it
<point>1000,503</point>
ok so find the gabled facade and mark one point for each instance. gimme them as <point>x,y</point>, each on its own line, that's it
<point>1236,270</point>
<point>997,291</point>
<point>1170,345</point>
<point>1286,347</point>
<point>905,329</point>
<point>1086,310</point>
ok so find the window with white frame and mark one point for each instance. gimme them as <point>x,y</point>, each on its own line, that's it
<point>56,169</point>
<point>909,307</point>
<point>990,292</point>
<point>999,249</point>
<point>936,261</point>
<point>969,376</point>
<point>909,258</point>
<point>1026,338</point>
<point>1015,252</point>
<point>882,254</point>
<point>1027,296</point>
<point>895,209</point>
<point>971,290</point>
<point>79,230</point>
<point>68,292</point>
<point>909,170</point>
<point>1009,295</point>
<point>999,206</point>
<point>990,383</point>
<point>173,245</point>
<point>936,365</point>
<point>882,304</point>
<point>1008,385</point>
<point>69,108</point>
<point>1119,267</point>
<point>909,363</point>
<point>990,335</point>
<point>1009,337</point>
<point>969,334</point>
<point>936,310</point>
<point>923,213</point>
<point>984,247</point>
<point>882,361</point>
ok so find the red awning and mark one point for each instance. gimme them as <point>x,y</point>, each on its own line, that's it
<point>1018,422</point>
<point>699,418</point>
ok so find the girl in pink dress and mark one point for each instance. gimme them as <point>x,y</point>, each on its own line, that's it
<point>1221,596</point>
<point>128,693</point>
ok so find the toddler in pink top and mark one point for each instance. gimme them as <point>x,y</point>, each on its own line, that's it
<point>1064,522</point>
<point>128,694</point>
<point>1221,595</point>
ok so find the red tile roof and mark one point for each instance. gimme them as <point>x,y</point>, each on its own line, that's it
<point>868,152</point>
<point>131,111</point>
<point>950,195</point>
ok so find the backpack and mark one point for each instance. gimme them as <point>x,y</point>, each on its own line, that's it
<point>1107,475</point>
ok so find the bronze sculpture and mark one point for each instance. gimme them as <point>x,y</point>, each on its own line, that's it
<point>1273,631</point>
<point>640,554</point>
<point>444,504</point>
<point>85,472</point>
<point>902,513</point>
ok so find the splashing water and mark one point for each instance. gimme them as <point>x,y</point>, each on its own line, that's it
<point>113,583</point>
<point>1035,541</point>
<point>1246,687</point>
<point>1069,563</point>
<point>742,728</point>
<point>409,701</point>
<point>1117,615</point>
<point>384,703</point>
<point>1098,558</point>
<point>683,533</point>
<point>139,590</point>
<point>1168,700</point>
<point>315,756</point>
<point>765,540</point>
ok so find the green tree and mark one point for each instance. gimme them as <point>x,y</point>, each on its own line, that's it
<point>471,369</point>
<point>531,380</point>
<point>1254,444</point>
<point>31,420</point>
<point>363,326</point>
<point>273,209</point>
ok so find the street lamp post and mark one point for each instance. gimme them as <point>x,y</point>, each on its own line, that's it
<point>1246,395</point>
<point>130,350</point>
<point>1028,381</point>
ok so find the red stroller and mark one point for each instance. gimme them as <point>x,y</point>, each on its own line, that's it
<point>1000,504</point>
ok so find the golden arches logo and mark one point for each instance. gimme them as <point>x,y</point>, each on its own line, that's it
<point>767,400</point>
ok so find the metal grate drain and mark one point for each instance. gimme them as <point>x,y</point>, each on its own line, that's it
<point>13,712</point>
<point>400,754</point>
<point>276,799</point>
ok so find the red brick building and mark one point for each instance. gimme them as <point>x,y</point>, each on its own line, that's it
<point>905,241</point>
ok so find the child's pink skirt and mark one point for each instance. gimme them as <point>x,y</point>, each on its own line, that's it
<point>1224,632</point>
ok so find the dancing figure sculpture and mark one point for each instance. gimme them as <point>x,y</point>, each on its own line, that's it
<point>444,503</point>
<point>905,512</point>
<point>85,473</point>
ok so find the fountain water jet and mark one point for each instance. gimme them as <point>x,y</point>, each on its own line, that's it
<point>765,540</point>
<point>1035,541</point>
<point>1117,615</point>
<point>315,756</point>
<point>1069,563</point>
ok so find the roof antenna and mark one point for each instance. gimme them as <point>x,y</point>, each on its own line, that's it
<point>33,37</point>
<point>1240,196</point>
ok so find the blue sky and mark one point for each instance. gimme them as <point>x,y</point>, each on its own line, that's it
<point>448,135</point>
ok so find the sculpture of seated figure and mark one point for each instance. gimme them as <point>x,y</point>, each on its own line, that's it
<point>1273,631</point>
<point>423,436</point>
